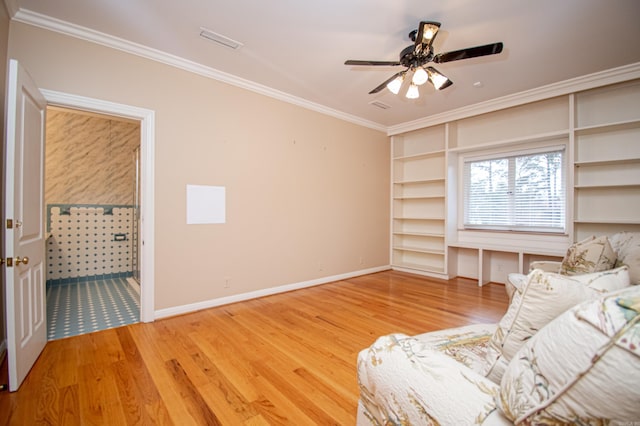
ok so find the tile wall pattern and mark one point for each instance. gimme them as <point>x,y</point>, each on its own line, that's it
<point>89,158</point>
<point>83,241</point>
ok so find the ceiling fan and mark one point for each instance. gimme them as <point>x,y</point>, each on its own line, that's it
<point>416,56</point>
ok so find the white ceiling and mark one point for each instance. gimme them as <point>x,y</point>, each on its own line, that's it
<point>298,47</point>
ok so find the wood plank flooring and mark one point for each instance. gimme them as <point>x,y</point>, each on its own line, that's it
<point>283,359</point>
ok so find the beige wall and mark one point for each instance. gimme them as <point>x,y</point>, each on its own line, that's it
<point>307,194</point>
<point>4,40</point>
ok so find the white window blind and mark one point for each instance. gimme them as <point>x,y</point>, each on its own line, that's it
<point>517,192</point>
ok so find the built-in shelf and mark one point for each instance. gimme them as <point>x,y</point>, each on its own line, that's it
<point>611,186</point>
<point>609,220</point>
<point>607,127</point>
<point>419,156</point>
<point>426,197</point>
<point>607,162</point>
<point>419,234</point>
<point>600,128</point>
<point>419,218</point>
<point>418,194</point>
<point>419,250</point>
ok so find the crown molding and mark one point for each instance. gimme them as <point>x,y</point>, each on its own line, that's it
<point>615,75</point>
<point>87,34</point>
<point>590,81</point>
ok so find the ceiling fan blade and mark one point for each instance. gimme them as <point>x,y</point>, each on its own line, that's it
<point>389,80</point>
<point>371,63</point>
<point>427,32</point>
<point>471,52</point>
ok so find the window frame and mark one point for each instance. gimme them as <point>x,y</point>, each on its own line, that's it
<point>505,153</point>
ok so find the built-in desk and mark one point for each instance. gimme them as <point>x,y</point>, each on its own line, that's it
<point>485,252</point>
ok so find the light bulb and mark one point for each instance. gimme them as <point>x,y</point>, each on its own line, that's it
<point>395,84</point>
<point>420,77</point>
<point>439,81</point>
<point>413,92</point>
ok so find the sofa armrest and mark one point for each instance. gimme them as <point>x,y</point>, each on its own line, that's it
<point>403,381</point>
<point>546,265</point>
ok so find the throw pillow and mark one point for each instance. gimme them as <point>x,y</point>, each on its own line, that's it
<point>582,368</point>
<point>545,296</point>
<point>587,256</point>
<point>627,246</point>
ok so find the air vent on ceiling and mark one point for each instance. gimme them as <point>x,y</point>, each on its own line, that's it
<point>379,104</point>
<point>218,38</point>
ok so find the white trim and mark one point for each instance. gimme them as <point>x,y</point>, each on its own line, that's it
<point>184,309</point>
<point>147,154</point>
<point>87,34</point>
<point>603,78</point>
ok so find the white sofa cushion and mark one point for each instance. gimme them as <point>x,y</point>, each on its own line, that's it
<point>544,297</point>
<point>402,380</point>
<point>582,368</point>
<point>589,255</point>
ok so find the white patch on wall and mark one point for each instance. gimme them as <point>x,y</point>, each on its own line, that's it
<point>205,204</point>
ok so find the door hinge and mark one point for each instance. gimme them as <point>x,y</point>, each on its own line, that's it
<point>9,223</point>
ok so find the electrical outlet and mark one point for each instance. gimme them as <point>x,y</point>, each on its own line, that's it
<point>227,282</point>
<point>361,260</point>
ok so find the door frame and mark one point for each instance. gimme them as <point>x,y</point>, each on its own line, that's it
<point>147,156</point>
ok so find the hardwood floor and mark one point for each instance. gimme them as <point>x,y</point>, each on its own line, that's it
<point>283,359</point>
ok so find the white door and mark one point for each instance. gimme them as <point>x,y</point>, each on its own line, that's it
<point>25,237</point>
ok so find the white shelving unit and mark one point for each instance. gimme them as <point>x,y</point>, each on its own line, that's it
<point>607,160</point>
<point>600,128</point>
<point>418,229</point>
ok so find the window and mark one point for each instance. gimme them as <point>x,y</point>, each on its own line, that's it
<point>522,191</point>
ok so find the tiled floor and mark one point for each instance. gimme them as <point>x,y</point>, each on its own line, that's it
<point>89,306</point>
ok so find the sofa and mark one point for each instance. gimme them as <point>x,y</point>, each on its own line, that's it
<point>567,351</point>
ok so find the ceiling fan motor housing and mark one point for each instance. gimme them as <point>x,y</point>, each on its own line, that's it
<point>410,59</point>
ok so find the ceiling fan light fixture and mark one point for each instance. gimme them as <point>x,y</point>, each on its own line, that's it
<point>413,92</point>
<point>395,84</point>
<point>438,80</point>
<point>429,30</point>
<point>420,76</point>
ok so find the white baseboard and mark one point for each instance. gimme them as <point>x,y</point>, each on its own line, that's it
<point>179,310</point>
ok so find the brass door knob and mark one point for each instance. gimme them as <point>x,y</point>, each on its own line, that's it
<point>24,260</point>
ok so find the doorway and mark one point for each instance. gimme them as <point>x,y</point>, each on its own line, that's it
<point>91,215</point>
<point>146,172</point>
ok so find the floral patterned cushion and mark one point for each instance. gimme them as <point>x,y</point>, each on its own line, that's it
<point>582,368</point>
<point>405,381</point>
<point>627,246</point>
<point>545,296</point>
<point>467,344</point>
<point>589,255</point>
